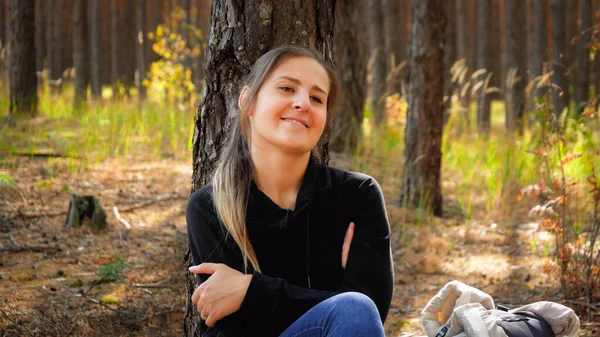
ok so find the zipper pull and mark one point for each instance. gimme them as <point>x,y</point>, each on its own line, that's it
<point>308,277</point>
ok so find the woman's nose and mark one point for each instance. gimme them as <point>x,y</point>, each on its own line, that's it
<point>300,104</point>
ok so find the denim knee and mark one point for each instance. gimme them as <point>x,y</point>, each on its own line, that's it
<point>356,304</point>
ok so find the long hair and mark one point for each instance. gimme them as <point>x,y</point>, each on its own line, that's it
<point>234,170</point>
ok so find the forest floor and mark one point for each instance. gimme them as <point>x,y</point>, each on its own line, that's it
<point>52,292</point>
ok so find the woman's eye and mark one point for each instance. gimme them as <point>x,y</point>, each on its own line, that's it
<point>288,89</point>
<point>317,99</point>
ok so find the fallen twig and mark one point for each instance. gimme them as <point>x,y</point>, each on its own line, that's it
<point>121,220</point>
<point>18,248</point>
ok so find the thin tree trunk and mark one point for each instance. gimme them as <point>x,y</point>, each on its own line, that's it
<point>571,24</point>
<point>539,45</point>
<point>114,48</point>
<point>141,68</point>
<point>379,69</point>
<point>483,101</point>
<point>128,40</point>
<point>80,53</point>
<point>59,45</point>
<point>558,51</point>
<point>50,45</point>
<point>231,52</point>
<point>3,27</point>
<point>462,53</point>
<point>40,39</point>
<point>95,50</point>
<point>516,63</point>
<point>351,62</point>
<point>449,58</point>
<point>583,62</point>
<point>21,60</point>
<point>396,40</point>
<point>494,47</point>
<point>424,124</point>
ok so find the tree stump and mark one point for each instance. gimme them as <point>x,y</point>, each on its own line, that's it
<point>85,206</point>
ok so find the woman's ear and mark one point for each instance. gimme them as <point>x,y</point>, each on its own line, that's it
<point>242,98</point>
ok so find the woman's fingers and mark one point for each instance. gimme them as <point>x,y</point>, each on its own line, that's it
<point>347,242</point>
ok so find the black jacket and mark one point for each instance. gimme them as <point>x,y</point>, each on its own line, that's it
<point>299,251</point>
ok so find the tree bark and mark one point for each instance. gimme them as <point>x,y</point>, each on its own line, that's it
<point>114,48</point>
<point>50,44</point>
<point>558,51</point>
<point>449,57</point>
<point>40,40</point>
<point>539,42</point>
<point>424,123</point>
<point>128,40</point>
<point>483,32</point>
<point>463,44</point>
<point>21,60</point>
<point>95,50</point>
<point>494,47</point>
<point>583,62</point>
<point>233,46</point>
<point>396,38</point>
<point>80,53</point>
<point>351,62</point>
<point>516,63</point>
<point>379,55</point>
<point>2,26</point>
<point>571,24</point>
<point>141,68</point>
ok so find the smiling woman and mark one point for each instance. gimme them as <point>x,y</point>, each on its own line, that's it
<point>283,244</point>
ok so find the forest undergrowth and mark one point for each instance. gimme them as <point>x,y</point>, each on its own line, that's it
<point>129,281</point>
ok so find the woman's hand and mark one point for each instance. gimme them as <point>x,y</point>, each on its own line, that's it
<point>221,294</point>
<point>347,243</point>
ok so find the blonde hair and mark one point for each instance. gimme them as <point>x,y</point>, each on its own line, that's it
<point>234,170</point>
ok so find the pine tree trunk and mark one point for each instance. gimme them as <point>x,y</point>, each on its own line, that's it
<point>449,58</point>
<point>558,51</point>
<point>21,60</point>
<point>81,53</point>
<point>95,50</point>
<point>516,63</point>
<point>128,41</point>
<point>539,44</point>
<point>571,24</point>
<point>114,48</point>
<point>140,37</point>
<point>494,48</point>
<point>232,49</point>
<point>3,27</point>
<point>483,101</point>
<point>50,44</point>
<point>396,38</point>
<point>379,70</point>
<point>424,122</point>
<point>351,62</point>
<point>462,53</point>
<point>40,39</point>
<point>583,62</point>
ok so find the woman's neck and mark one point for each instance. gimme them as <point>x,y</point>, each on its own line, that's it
<point>279,175</point>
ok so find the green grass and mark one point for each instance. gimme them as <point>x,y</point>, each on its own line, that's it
<point>107,129</point>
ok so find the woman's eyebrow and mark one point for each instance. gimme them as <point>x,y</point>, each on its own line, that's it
<point>297,81</point>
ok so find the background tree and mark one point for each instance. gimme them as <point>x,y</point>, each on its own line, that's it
<point>538,54</point>
<point>141,68</point>
<point>396,20</point>
<point>516,63</point>
<point>571,24</point>
<point>483,65</point>
<point>40,39</point>
<point>351,62</point>
<point>379,55</point>
<point>114,47</point>
<point>52,45</point>
<point>449,57</point>
<point>583,62</point>
<point>21,59</point>
<point>463,44</point>
<point>424,122</point>
<point>81,52</point>
<point>232,49</point>
<point>95,50</point>
<point>559,40</point>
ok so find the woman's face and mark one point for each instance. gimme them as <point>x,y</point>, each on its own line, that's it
<point>290,111</point>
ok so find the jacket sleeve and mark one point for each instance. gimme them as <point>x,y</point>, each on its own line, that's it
<point>209,243</point>
<point>277,304</point>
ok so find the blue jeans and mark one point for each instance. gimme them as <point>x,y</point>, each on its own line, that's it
<point>349,314</point>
